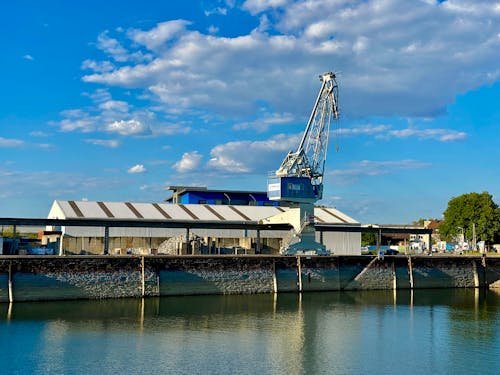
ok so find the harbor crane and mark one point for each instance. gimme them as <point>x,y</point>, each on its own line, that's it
<point>299,179</point>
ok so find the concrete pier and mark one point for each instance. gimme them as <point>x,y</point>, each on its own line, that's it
<point>36,278</point>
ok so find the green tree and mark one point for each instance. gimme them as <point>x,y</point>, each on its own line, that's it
<point>368,239</point>
<point>468,209</point>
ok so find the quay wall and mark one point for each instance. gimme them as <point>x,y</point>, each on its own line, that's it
<point>36,278</point>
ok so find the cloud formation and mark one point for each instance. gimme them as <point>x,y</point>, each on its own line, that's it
<point>252,156</point>
<point>406,58</point>
<point>111,143</point>
<point>373,168</point>
<point>11,143</point>
<point>188,162</point>
<point>387,132</point>
<point>138,168</point>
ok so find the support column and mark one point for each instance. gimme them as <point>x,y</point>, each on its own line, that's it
<point>106,240</point>
<point>477,282</point>
<point>299,274</point>
<point>275,279</point>
<point>379,240</point>
<point>187,240</point>
<point>11,294</point>
<point>14,240</point>
<point>395,279</point>
<point>257,245</point>
<point>410,271</point>
<point>143,279</point>
<point>429,243</point>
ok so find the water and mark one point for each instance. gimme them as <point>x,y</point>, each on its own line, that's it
<point>376,332</point>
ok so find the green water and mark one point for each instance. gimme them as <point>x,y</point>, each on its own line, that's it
<point>424,332</point>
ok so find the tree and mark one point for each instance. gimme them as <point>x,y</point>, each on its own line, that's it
<point>467,210</point>
<point>368,238</point>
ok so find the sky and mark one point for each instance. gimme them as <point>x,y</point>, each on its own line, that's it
<point>115,100</point>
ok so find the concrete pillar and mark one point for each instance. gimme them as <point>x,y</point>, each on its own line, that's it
<point>11,294</point>
<point>187,242</point>
<point>429,243</point>
<point>275,279</point>
<point>143,279</point>
<point>299,274</point>
<point>410,271</point>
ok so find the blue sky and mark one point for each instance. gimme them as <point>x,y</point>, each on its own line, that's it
<point>115,100</point>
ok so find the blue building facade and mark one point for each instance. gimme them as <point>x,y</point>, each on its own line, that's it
<point>203,195</point>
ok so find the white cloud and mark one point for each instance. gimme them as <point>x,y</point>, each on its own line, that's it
<point>394,57</point>
<point>138,168</point>
<point>98,67</point>
<point>265,121</point>
<point>116,51</point>
<point>11,143</point>
<point>373,168</point>
<point>114,105</point>
<point>364,130</point>
<point>257,6</point>
<point>77,119</point>
<point>130,127</point>
<point>111,143</point>
<point>386,132</point>
<point>112,47</point>
<point>38,133</point>
<point>213,29</point>
<point>159,35</point>
<point>188,162</point>
<point>171,129</point>
<point>443,135</point>
<point>28,57</point>
<point>252,156</point>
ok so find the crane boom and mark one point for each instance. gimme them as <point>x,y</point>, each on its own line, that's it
<point>299,179</point>
<point>306,164</point>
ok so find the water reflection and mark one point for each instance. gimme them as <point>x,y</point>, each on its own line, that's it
<point>331,332</point>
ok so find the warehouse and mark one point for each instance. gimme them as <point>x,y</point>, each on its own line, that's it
<point>139,240</point>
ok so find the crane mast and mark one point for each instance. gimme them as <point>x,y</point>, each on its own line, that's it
<point>299,179</point>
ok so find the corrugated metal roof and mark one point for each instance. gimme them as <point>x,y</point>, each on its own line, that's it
<point>159,211</point>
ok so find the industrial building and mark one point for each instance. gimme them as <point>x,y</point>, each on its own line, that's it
<point>243,207</point>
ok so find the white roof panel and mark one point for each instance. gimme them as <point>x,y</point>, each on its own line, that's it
<point>160,211</point>
<point>89,210</point>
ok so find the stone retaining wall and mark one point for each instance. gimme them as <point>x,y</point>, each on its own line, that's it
<point>31,278</point>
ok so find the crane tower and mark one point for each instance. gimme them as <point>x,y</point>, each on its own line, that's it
<point>299,179</point>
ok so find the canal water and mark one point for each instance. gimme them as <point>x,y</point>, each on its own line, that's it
<point>453,331</point>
